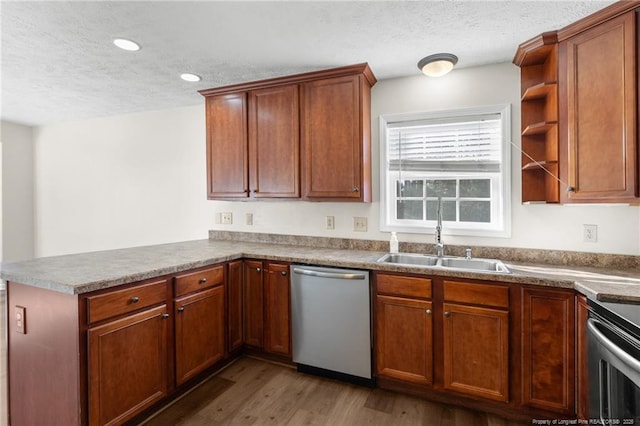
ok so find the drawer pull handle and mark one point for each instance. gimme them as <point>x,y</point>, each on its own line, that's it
<point>203,280</point>
<point>428,311</point>
<point>135,299</point>
<point>165,316</point>
<point>447,313</point>
<point>181,309</point>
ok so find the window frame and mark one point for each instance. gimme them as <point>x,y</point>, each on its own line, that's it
<point>502,206</point>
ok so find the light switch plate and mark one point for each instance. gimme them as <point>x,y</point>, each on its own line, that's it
<point>360,224</point>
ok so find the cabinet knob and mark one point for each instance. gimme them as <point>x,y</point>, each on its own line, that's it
<point>202,280</point>
<point>447,313</point>
<point>284,273</point>
<point>256,191</point>
<point>356,189</point>
<point>135,299</point>
<point>258,269</point>
<point>165,316</point>
<point>181,309</point>
<point>428,311</point>
<point>571,189</point>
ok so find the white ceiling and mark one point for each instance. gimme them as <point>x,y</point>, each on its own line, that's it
<point>59,63</point>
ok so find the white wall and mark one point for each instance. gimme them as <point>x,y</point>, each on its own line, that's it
<point>140,179</point>
<point>17,192</point>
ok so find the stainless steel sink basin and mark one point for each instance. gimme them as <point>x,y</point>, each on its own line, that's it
<point>492,265</point>
<point>457,263</point>
<point>409,259</point>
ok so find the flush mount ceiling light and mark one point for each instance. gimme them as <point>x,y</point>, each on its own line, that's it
<point>192,78</point>
<point>125,44</point>
<point>437,65</point>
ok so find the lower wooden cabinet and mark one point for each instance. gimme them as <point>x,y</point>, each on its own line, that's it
<point>199,332</point>
<point>253,303</point>
<point>476,351</point>
<point>497,346</point>
<point>267,325</point>
<point>404,339</point>
<point>277,310</point>
<point>548,349</point>
<point>234,304</point>
<point>127,365</point>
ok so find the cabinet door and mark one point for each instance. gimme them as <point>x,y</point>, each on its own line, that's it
<point>476,351</point>
<point>548,345</point>
<point>127,366</point>
<point>602,113</point>
<point>403,335</point>
<point>335,148</point>
<point>227,158</point>
<point>234,303</point>
<point>253,304</point>
<point>277,310</point>
<point>274,142</point>
<point>199,332</point>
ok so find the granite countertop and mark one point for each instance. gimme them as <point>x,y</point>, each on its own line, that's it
<point>85,272</point>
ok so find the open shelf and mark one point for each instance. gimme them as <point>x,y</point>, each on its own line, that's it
<point>539,91</point>
<point>538,128</point>
<point>539,165</point>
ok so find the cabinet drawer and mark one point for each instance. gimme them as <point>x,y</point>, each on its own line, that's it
<point>194,281</point>
<point>477,294</point>
<point>122,301</point>
<point>404,286</point>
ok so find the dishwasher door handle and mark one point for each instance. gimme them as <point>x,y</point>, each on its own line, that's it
<point>334,275</point>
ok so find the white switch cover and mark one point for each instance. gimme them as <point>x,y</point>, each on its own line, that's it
<point>360,224</point>
<point>331,222</point>
<point>249,218</point>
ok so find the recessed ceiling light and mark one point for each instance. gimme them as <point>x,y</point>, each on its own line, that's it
<point>125,44</point>
<point>190,77</point>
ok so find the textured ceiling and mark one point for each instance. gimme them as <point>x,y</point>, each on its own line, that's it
<point>58,62</point>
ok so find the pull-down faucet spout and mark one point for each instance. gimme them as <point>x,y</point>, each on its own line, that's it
<point>438,234</point>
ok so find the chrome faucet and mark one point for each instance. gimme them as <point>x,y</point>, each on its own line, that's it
<point>439,243</point>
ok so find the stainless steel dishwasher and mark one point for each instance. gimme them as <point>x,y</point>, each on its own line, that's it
<point>331,322</point>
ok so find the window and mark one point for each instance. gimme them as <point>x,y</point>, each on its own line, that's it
<point>460,158</point>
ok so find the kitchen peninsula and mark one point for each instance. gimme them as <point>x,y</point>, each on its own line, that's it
<point>60,307</point>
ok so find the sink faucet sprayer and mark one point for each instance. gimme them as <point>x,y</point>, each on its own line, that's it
<point>439,243</point>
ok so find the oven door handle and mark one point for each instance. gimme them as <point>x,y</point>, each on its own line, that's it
<point>634,364</point>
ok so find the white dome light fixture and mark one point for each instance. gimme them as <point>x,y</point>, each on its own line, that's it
<point>437,65</point>
<point>191,78</point>
<point>125,44</point>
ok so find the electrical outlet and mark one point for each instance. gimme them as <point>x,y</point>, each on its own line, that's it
<point>331,222</point>
<point>360,224</point>
<point>21,319</point>
<point>249,218</point>
<point>226,218</point>
<point>590,233</point>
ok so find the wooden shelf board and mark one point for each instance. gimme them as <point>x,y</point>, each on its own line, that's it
<point>538,165</point>
<point>539,91</point>
<point>538,128</point>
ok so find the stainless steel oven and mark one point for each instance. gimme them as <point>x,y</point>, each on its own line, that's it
<point>614,363</point>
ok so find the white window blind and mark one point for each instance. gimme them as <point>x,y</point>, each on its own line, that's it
<point>455,144</point>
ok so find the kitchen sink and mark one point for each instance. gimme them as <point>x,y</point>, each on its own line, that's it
<point>454,263</point>
<point>409,259</point>
<point>492,265</point>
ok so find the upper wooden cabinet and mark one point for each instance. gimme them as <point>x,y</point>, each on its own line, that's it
<point>579,110</point>
<point>305,136</point>
<point>336,147</point>
<point>227,157</point>
<point>600,151</point>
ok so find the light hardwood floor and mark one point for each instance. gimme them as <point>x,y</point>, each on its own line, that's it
<point>256,392</point>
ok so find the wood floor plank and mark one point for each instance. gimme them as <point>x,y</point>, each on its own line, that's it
<point>254,392</point>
